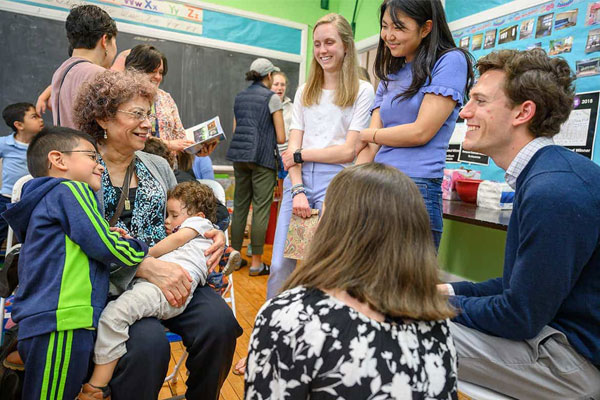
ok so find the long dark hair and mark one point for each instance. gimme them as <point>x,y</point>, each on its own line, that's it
<point>437,43</point>
<point>146,58</point>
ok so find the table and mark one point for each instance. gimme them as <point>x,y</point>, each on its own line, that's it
<point>471,214</point>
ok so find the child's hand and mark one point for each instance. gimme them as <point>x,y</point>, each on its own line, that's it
<point>121,232</point>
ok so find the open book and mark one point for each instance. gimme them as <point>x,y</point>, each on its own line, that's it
<point>203,133</point>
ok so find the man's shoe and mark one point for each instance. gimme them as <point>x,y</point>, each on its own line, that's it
<point>262,269</point>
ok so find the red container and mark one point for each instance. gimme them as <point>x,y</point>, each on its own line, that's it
<point>467,189</point>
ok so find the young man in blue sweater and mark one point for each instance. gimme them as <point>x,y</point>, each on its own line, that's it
<point>64,262</point>
<point>535,332</point>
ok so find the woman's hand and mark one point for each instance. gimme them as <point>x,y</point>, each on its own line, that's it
<point>207,148</point>
<point>171,278</point>
<point>178,144</point>
<point>288,159</point>
<point>300,206</point>
<point>215,251</point>
<point>366,135</point>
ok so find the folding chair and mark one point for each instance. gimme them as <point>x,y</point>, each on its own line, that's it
<point>16,196</point>
<point>220,195</point>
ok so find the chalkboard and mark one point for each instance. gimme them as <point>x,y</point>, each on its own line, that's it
<point>203,81</point>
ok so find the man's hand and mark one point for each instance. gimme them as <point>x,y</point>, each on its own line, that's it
<point>171,278</point>
<point>443,289</point>
<point>215,251</point>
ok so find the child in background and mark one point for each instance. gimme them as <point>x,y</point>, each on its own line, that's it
<point>191,209</point>
<point>25,123</point>
<point>63,265</point>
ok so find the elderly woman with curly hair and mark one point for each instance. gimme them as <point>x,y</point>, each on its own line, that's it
<point>115,108</point>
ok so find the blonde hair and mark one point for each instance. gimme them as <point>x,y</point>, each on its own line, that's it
<point>348,84</point>
<point>374,241</point>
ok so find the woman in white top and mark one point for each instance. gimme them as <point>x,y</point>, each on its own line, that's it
<point>279,86</point>
<point>328,113</point>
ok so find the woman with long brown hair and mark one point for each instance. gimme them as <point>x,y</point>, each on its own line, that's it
<point>362,317</point>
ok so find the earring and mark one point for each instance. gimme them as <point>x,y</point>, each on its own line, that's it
<point>105,135</point>
<point>105,53</point>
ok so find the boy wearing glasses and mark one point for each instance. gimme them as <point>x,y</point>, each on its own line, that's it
<point>64,262</point>
<point>25,122</point>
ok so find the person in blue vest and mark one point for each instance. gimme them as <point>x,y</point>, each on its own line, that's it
<point>534,333</point>
<point>257,128</point>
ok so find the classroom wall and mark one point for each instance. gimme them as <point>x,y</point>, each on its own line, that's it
<point>309,11</point>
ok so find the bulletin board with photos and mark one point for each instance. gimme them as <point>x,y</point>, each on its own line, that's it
<point>565,28</point>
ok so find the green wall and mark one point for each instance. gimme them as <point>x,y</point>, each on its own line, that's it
<point>309,11</point>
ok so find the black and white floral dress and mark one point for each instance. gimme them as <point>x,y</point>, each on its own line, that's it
<point>307,344</point>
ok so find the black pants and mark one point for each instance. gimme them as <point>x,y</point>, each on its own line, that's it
<point>209,331</point>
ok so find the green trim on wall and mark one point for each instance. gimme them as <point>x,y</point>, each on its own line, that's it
<point>471,251</point>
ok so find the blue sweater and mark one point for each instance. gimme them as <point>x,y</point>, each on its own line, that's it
<point>65,258</point>
<point>552,259</point>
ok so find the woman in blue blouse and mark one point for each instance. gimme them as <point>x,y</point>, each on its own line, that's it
<point>424,78</point>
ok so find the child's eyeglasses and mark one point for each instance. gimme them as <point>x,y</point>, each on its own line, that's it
<point>140,116</point>
<point>92,154</point>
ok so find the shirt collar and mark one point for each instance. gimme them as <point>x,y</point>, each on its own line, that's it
<point>519,163</point>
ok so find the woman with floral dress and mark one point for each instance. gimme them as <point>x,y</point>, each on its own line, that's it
<point>361,319</point>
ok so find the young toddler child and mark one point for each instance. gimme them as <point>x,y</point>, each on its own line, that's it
<point>67,247</point>
<point>191,206</point>
<point>25,123</point>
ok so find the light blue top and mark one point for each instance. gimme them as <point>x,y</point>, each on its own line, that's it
<point>203,168</point>
<point>14,162</point>
<point>448,78</point>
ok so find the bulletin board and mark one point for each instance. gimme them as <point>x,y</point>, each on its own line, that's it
<point>563,28</point>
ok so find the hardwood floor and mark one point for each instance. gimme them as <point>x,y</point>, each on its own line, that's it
<point>249,297</point>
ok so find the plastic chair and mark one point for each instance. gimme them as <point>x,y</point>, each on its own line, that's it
<point>16,196</point>
<point>220,195</point>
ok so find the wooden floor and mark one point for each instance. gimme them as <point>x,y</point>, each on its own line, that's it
<point>249,297</point>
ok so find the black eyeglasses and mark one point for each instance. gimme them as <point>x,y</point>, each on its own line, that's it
<point>92,154</point>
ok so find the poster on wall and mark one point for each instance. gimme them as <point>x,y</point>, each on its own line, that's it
<point>464,43</point>
<point>472,157</point>
<point>544,25</point>
<point>526,29</point>
<point>578,132</point>
<point>592,16</point>
<point>490,39</point>
<point>477,42</point>
<point>507,34</point>
<point>587,67</point>
<point>593,41</point>
<point>562,45</point>
<point>566,19</point>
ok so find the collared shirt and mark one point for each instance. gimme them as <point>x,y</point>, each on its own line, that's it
<point>523,157</point>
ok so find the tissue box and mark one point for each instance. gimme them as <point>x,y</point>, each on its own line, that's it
<point>450,178</point>
<point>495,195</point>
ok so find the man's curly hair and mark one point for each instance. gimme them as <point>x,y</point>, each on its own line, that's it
<point>100,99</point>
<point>532,75</point>
<point>196,197</point>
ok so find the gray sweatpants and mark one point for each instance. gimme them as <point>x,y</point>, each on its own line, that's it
<point>545,367</point>
<point>143,300</point>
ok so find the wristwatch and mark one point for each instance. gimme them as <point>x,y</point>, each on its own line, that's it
<point>298,156</point>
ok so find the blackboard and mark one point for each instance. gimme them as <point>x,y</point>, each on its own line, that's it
<point>203,81</point>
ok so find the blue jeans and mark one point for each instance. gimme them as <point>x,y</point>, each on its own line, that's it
<point>431,190</point>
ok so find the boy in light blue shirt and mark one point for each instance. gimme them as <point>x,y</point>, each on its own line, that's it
<point>25,123</point>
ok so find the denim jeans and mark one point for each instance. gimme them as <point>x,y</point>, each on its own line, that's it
<point>431,190</point>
